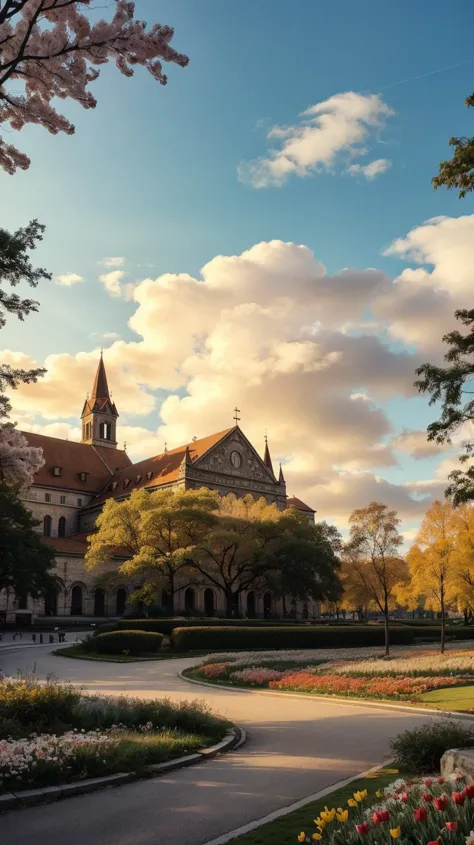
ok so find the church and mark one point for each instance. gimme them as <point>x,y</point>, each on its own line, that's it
<point>76,479</point>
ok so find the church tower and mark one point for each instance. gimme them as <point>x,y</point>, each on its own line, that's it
<point>99,414</point>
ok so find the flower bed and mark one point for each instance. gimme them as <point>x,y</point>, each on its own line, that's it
<point>414,812</point>
<point>404,677</point>
<point>52,733</point>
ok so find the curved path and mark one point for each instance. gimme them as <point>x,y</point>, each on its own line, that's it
<point>295,747</point>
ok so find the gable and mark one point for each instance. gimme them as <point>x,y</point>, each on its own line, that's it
<point>235,456</point>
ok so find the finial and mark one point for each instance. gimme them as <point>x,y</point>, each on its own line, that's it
<point>236,414</point>
<point>266,438</point>
<point>194,439</point>
<point>166,446</point>
<point>124,445</point>
<point>101,351</point>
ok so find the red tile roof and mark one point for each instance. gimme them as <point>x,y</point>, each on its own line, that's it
<point>98,462</point>
<point>76,544</point>
<point>293,502</point>
<point>162,469</point>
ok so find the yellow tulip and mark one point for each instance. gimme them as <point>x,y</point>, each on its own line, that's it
<point>352,803</point>
<point>316,836</point>
<point>342,815</point>
<point>358,796</point>
<point>319,822</point>
<point>395,832</point>
<point>302,837</point>
<point>380,793</point>
<point>328,815</point>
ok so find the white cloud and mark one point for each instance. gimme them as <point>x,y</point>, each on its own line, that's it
<point>328,132</point>
<point>370,171</point>
<point>113,282</point>
<point>415,443</point>
<point>112,261</point>
<point>105,335</point>
<point>68,279</point>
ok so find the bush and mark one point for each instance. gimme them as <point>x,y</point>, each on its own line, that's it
<point>133,642</point>
<point>35,707</point>
<point>242,639</point>
<point>166,626</point>
<point>420,749</point>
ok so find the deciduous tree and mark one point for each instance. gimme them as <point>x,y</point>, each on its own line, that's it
<point>49,49</point>
<point>373,554</point>
<point>458,172</point>
<point>432,561</point>
<point>453,385</point>
<point>18,460</point>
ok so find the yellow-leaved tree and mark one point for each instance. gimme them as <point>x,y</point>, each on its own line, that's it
<point>462,588</point>
<point>432,562</point>
<point>158,532</point>
<point>373,566</point>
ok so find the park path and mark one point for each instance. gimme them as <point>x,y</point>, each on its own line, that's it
<point>295,747</point>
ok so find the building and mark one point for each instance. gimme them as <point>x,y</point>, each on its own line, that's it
<point>76,479</point>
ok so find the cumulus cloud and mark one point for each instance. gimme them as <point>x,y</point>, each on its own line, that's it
<point>112,261</point>
<point>68,279</point>
<point>105,335</point>
<point>271,330</point>
<point>415,443</point>
<point>112,282</point>
<point>371,170</point>
<point>327,133</point>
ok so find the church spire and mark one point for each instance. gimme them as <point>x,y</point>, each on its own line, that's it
<point>281,477</point>
<point>100,389</point>
<point>267,459</point>
<point>99,414</point>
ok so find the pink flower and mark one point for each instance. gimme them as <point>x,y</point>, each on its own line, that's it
<point>420,814</point>
<point>427,796</point>
<point>451,826</point>
<point>428,782</point>
<point>459,797</point>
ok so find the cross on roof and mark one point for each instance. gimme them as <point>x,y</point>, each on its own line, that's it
<point>236,414</point>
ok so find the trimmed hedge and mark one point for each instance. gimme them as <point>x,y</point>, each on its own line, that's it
<point>457,632</point>
<point>135,642</point>
<point>166,626</point>
<point>227,637</point>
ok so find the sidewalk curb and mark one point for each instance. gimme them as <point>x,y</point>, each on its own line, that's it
<point>284,811</point>
<point>26,798</point>
<point>358,702</point>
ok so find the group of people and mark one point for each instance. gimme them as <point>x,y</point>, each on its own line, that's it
<point>59,631</point>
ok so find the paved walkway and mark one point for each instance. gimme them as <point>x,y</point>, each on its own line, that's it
<point>295,747</point>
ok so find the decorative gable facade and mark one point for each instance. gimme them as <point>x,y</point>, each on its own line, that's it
<point>76,480</point>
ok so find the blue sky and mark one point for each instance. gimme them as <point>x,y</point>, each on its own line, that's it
<point>151,174</point>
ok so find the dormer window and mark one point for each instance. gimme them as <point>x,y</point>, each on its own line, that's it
<point>138,479</point>
<point>126,483</point>
<point>113,485</point>
<point>149,475</point>
<point>83,476</point>
<point>56,471</point>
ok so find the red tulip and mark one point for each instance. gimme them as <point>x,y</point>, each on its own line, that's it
<point>459,797</point>
<point>427,796</point>
<point>385,815</point>
<point>420,814</point>
<point>433,842</point>
<point>452,826</point>
<point>404,797</point>
<point>441,803</point>
<point>440,780</point>
<point>362,829</point>
<point>377,818</point>
<point>428,782</point>
<point>469,790</point>
<point>409,782</point>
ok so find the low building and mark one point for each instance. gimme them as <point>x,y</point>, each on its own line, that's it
<point>76,479</point>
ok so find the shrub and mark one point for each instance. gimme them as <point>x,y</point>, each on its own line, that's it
<point>34,706</point>
<point>421,749</point>
<point>134,642</point>
<point>166,626</point>
<point>240,638</point>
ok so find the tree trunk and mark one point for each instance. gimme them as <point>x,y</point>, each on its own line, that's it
<point>229,604</point>
<point>443,623</point>
<point>387,635</point>
<point>171,595</point>
<point>466,616</point>
<point>283,599</point>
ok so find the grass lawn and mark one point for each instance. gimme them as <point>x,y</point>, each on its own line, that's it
<point>450,698</point>
<point>79,653</point>
<point>284,831</point>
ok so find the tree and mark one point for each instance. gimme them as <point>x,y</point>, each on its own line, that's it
<point>157,531</point>
<point>458,172</point>
<point>432,561</point>
<point>49,49</point>
<point>18,460</point>
<point>303,559</point>
<point>15,266</point>
<point>451,384</point>
<point>462,586</point>
<point>26,563</point>
<point>373,553</point>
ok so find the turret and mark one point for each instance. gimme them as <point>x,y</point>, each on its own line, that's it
<point>99,414</point>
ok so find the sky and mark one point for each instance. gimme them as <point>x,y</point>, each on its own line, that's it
<point>262,232</point>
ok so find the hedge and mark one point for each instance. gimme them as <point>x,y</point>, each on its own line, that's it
<point>134,642</point>
<point>314,636</point>
<point>166,626</point>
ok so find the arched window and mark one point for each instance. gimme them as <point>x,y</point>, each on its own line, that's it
<point>267,605</point>
<point>47,525</point>
<point>209,602</point>
<point>189,599</point>
<point>76,601</point>
<point>121,601</point>
<point>105,431</point>
<point>51,604</point>
<point>62,526</point>
<point>99,602</point>
<point>251,605</point>
<point>22,601</point>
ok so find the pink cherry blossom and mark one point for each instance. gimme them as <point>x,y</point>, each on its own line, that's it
<point>18,460</point>
<point>48,49</point>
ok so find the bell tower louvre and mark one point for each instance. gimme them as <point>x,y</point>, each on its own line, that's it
<point>99,414</point>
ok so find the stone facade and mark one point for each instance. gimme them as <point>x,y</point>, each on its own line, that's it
<point>70,490</point>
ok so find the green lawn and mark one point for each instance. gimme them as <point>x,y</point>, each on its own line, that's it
<point>284,831</point>
<point>450,698</point>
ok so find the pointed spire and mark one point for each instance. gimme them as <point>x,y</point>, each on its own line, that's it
<point>101,388</point>
<point>267,459</point>
<point>281,477</point>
